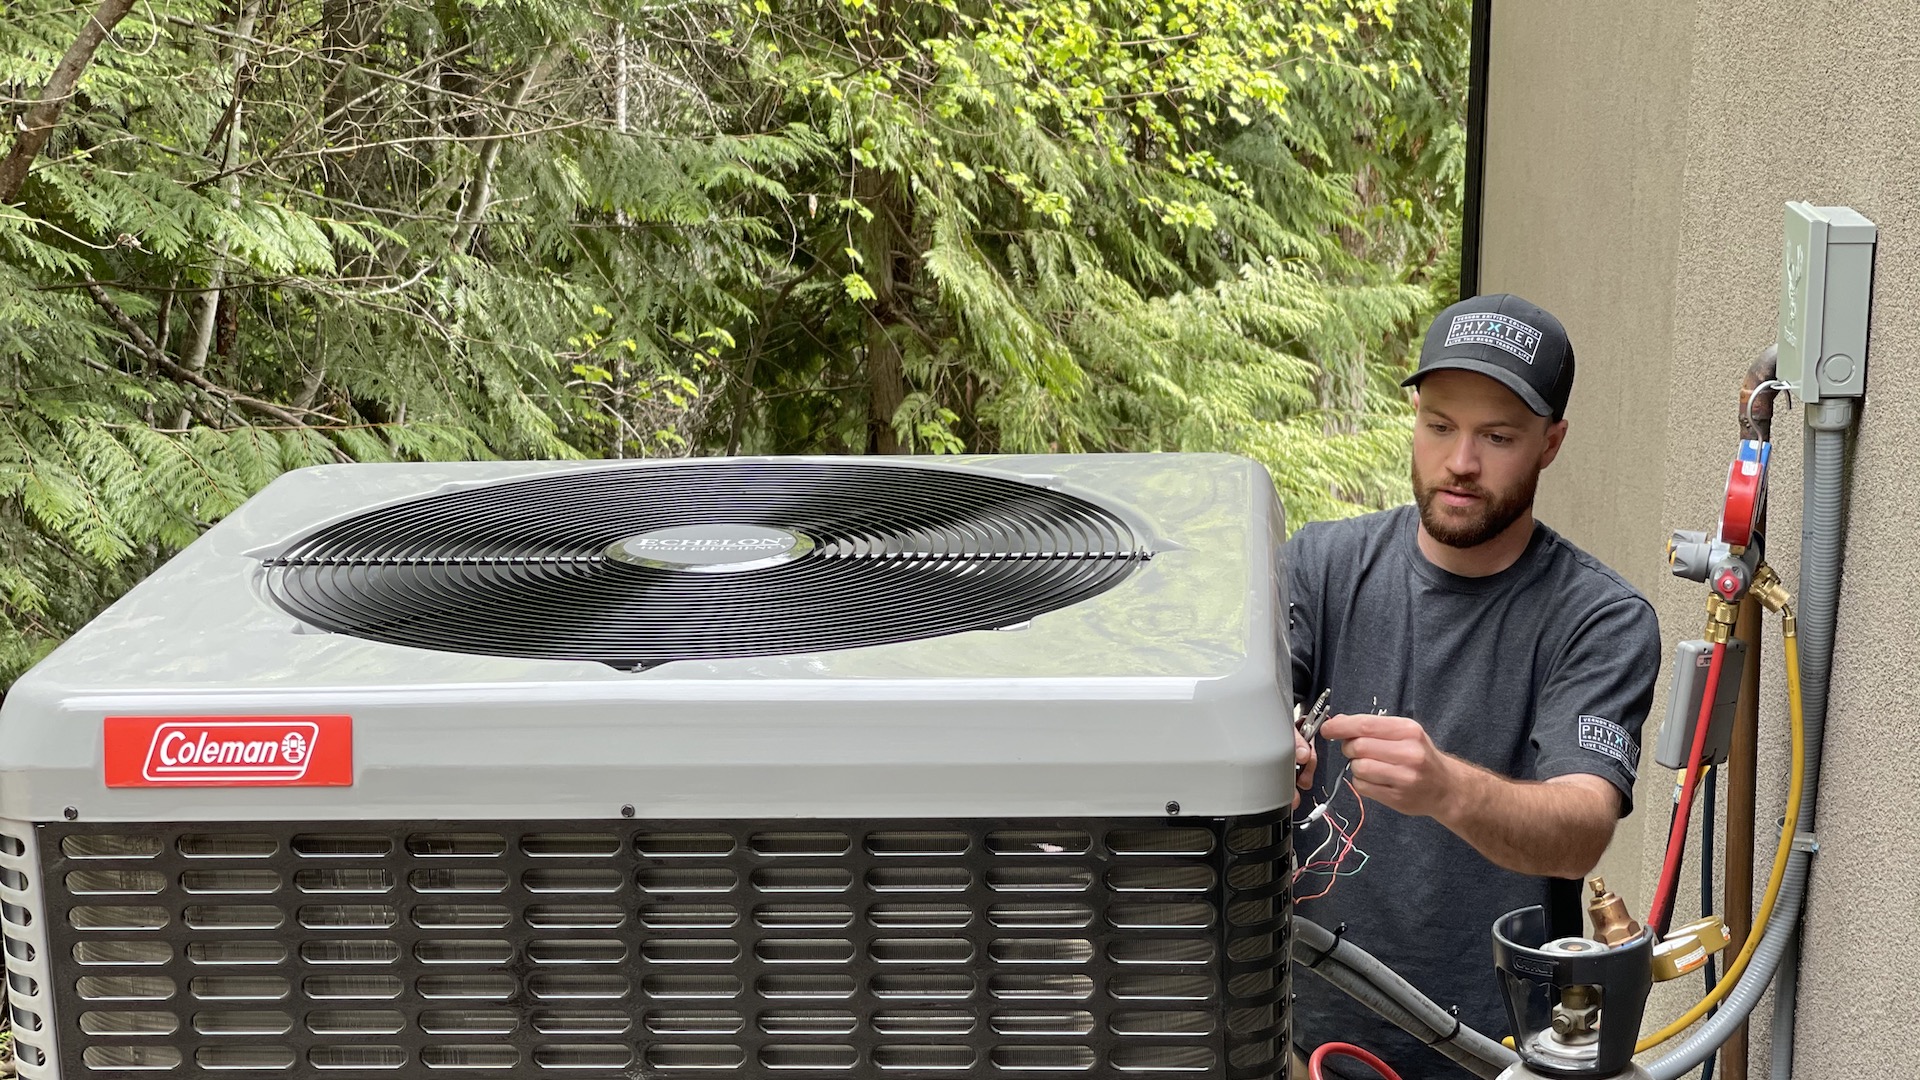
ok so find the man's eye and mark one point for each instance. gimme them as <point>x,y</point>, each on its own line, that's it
<point>1437,429</point>
<point>1499,440</point>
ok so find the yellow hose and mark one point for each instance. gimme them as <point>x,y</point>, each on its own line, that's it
<point>1780,856</point>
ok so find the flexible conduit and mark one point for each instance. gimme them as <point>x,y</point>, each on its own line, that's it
<point>1820,551</point>
<point>1822,524</point>
<point>1365,979</point>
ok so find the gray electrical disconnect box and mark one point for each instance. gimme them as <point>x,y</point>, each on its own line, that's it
<point>1690,663</point>
<point>1826,291</point>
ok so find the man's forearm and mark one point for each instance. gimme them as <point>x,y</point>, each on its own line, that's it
<point>1552,828</point>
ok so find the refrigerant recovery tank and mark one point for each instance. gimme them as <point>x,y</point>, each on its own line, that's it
<point>713,768</point>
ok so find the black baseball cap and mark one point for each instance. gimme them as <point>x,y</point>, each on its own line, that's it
<point>1505,338</point>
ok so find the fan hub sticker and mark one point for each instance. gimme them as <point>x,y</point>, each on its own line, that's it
<point>711,549</point>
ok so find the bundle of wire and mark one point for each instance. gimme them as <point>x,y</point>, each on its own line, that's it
<point>1343,836</point>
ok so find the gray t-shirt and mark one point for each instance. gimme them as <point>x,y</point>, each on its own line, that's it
<point>1544,669</point>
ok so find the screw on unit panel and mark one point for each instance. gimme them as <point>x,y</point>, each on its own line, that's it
<point>71,813</point>
<point>1173,809</point>
<point>627,810</point>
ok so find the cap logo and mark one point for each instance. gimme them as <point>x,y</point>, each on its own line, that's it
<point>1500,331</point>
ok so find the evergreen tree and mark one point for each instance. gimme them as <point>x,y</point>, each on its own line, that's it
<point>245,236</point>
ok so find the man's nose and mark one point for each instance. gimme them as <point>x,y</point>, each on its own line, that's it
<point>1463,460</point>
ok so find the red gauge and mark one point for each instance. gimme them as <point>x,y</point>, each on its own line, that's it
<point>1746,493</point>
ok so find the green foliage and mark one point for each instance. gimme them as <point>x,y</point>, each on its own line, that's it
<point>1099,225</point>
<point>272,233</point>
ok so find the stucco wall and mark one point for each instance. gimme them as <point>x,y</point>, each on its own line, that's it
<point>1638,155</point>
<point>1582,217</point>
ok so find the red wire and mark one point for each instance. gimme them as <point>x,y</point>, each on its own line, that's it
<point>1334,863</point>
<point>1661,913</point>
<point>1338,1049</point>
<point>1347,842</point>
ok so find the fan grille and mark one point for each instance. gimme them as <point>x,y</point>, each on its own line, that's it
<point>762,558</point>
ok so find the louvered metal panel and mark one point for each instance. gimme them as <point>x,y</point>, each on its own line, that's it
<point>1151,948</point>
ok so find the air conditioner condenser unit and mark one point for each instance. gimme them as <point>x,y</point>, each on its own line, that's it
<point>711,768</point>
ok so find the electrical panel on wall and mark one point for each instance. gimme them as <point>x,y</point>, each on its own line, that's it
<point>1826,293</point>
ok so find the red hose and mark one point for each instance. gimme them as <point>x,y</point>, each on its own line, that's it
<point>1661,912</point>
<point>1328,1050</point>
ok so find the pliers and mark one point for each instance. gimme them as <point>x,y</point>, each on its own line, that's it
<point>1310,723</point>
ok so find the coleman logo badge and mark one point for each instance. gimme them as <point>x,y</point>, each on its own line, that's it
<point>229,751</point>
<point>1503,332</point>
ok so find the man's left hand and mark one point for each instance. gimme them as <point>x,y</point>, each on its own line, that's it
<point>1304,759</point>
<point>1394,762</point>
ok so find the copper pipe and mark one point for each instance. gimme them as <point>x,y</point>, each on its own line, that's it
<point>1756,422</point>
<point>1741,780</point>
<point>1756,419</point>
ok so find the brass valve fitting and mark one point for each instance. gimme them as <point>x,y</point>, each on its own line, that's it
<point>1721,617</point>
<point>1773,595</point>
<point>1768,589</point>
<point>1577,1016</point>
<point>1608,914</point>
<point>1687,948</point>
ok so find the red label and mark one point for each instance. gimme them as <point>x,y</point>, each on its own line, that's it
<point>229,751</point>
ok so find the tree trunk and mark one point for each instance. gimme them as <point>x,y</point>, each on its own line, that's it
<point>876,239</point>
<point>480,192</point>
<point>620,78</point>
<point>456,32</point>
<point>888,388</point>
<point>346,29</point>
<point>886,376</point>
<point>617,389</point>
<point>206,305</point>
<point>37,124</point>
<point>1342,390</point>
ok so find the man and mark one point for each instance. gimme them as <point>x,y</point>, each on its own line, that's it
<point>1489,679</point>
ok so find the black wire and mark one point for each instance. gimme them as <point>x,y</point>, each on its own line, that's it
<point>1706,892</point>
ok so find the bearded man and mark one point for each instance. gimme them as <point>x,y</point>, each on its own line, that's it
<point>1490,681</point>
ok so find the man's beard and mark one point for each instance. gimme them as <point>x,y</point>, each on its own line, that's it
<point>1495,513</point>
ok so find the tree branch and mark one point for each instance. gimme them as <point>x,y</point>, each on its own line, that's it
<point>174,371</point>
<point>38,123</point>
<point>207,304</point>
<point>743,392</point>
<point>481,192</point>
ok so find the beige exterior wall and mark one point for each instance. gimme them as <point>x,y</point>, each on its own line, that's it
<point>1585,170</point>
<point>1638,154</point>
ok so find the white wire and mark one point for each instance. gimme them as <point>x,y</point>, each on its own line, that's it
<point>1318,813</point>
<point>1746,407</point>
<point>1315,857</point>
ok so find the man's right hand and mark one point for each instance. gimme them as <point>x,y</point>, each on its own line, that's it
<point>1395,763</point>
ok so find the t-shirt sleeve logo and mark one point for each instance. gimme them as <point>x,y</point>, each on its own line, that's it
<point>1603,736</point>
<point>1500,331</point>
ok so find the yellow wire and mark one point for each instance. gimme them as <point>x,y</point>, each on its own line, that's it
<point>1780,858</point>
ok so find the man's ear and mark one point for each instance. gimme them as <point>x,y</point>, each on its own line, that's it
<point>1556,435</point>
